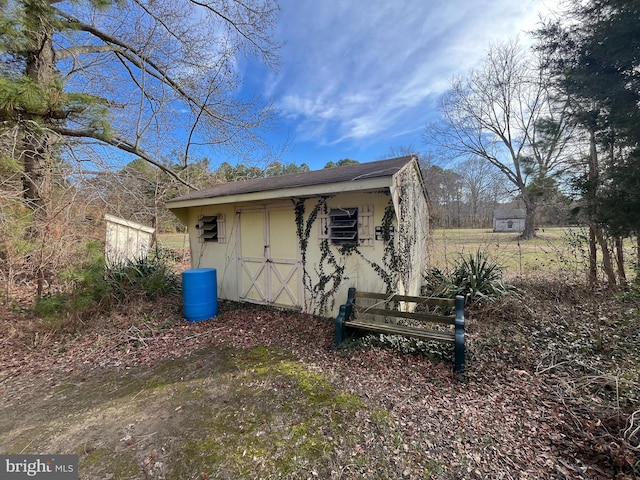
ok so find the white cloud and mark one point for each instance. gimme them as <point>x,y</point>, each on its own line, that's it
<point>356,70</point>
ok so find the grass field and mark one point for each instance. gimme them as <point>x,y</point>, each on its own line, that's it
<point>554,249</point>
<point>174,240</point>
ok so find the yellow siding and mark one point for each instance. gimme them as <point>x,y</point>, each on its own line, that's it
<point>281,245</point>
<point>221,256</point>
<point>358,273</point>
<point>412,210</point>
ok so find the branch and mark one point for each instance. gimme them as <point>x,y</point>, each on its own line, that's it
<point>73,52</point>
<point>249,38</point>
<point>150,67</point>
<point>136,58</point>
<point>120,144</point>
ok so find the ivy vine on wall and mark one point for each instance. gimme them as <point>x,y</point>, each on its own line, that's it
<point>329,271</point>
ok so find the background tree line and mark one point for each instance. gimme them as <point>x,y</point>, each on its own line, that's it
<point>561,120</point>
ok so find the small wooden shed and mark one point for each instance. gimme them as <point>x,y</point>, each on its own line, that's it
<point>301,240</point>
<point>125,240</point>
<point>508,220</point>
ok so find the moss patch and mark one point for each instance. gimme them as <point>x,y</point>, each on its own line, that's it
<point>223,413</point>
<point>282,420</point>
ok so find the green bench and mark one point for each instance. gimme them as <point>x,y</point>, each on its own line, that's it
<point>380,313</point>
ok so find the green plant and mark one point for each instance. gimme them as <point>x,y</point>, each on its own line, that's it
<point>150,277</point>
<point>106,286</point>
<point>476,276</point>
<point>49,306</point>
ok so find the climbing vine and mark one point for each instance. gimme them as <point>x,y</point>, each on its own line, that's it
<point>391,261</point>
<point>324,291</point>
<point>329,271</point>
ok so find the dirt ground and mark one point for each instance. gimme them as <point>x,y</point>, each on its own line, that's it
<point>550,392</point>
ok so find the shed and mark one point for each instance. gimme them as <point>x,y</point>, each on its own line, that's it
<point>301,240</point>
<point>510,220</point>
<point>125,240</point>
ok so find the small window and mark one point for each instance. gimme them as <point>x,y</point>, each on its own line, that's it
<point>211,228</point>
<point>343,226</point>
<point>347,226</point>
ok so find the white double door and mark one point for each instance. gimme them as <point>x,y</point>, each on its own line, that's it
<point>269,261</point>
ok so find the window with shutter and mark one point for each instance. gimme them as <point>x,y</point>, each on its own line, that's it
<point>343,226</point>
<point>211,228</point>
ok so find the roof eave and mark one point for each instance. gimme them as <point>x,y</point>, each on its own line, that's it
<point>296,192</point>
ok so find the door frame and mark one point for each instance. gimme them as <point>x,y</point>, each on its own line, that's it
<point>268,266</point>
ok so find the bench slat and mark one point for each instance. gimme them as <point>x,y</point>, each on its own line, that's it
<point>392,329</point>
<point>456,336</point>
<point>441,302</point>
<point>425,317</point>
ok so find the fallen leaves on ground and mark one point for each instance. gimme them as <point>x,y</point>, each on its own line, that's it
<point>538,399</point>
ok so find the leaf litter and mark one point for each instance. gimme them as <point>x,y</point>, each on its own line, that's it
<point>550,391</point>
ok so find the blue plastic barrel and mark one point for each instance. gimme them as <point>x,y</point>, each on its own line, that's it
<point>200,294</point>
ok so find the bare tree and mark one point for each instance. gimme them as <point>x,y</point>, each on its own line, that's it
<point>480,179</point>
<point>86,82</point>
<point>143,78</point>
<point>505,114</point>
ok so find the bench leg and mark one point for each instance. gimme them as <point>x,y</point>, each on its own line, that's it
<point>459,335</point>
<point>339,333</point>
<point>343,316</point>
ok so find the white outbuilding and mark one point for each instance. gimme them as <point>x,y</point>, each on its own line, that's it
<point>510,220</point>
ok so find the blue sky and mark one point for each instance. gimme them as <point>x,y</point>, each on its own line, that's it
<point>360,78</point>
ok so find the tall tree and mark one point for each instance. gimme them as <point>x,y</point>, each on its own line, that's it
<point>143,78</point>
<point>505,114</point>
<point>480,179</point>
<point>340,163</point>
<point>594,55</point>
<point>445,194</point>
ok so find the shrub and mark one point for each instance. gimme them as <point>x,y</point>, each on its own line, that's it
<point>99,285</point>
<point>150,277</point>
<point>476,276</point>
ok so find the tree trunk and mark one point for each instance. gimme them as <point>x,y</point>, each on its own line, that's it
<point>607,263</point>
<point>622,277</point>
<point>530,216</point>
<point>590,197</point>
<point>637,258</point>
<point>36,148</point>
<point>35,151</point>
<point>36,177</point>
<point>592,279</point>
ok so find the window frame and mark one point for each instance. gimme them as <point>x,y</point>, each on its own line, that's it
<point>211,228</point>
<point>358,226</point>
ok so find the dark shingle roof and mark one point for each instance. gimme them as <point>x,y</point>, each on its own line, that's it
<point>348,173</point>
<point>508,213</point>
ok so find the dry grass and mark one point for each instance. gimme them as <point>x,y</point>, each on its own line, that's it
<point>551,250</point>
<point>551,391</point>
<point>560,252</point>
<point>176,241</point>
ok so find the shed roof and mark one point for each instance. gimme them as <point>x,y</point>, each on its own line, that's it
<point>508,213</point>
<point>352,174</point>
